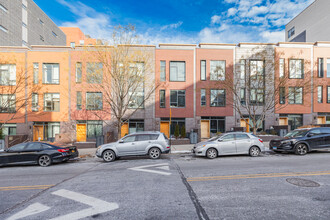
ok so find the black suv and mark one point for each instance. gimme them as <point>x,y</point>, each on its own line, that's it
<point>302,141</point>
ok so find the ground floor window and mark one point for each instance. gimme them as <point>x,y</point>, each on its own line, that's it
<point>323,118</point>
<point>216,124</point>
<point>8,129</point>
<point>46,130</point>
<point>135,126</point>
<point>94,129</point>
<point>181,122</point>
<point>294,121</point>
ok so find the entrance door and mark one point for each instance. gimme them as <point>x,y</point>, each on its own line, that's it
<point>245,124</point>
<point>283,121</point>
<point>124,129</point>
<point>205,129</point>
<point>321,120</point>
<point>38,132</point>
<point>165,128</point>
<point>81,132</point>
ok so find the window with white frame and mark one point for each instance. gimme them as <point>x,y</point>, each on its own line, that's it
<point>7,103</point>
<point>281,68</point>
<point>94,101</point>
<point>178,71</point>
<point>94,73</point>
<point>295,95</point>
<point>35,102</point>
<point>7,74</point>
<point>52,102</point>
<point>218,98</point>
<point>296,68</point>
<point>162,71</point>
<point>203,97</point>
<point>320,94</point>
<point>35,73</point>
<point>217,70</point>
<point>203,70</point>
<point>51,73</point>
<point>178,98</point>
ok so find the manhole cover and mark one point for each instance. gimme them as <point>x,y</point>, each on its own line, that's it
<point>302,182</point>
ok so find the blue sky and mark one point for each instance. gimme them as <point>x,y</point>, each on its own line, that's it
<point>179,21</point>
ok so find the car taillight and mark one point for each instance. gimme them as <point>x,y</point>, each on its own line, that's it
<point>261,140</point>
<point>63,150</point>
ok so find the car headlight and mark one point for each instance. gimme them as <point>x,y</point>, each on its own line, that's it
<point>286,142</point>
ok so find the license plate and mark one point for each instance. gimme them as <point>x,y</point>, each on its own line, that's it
<point>72,151</point>
<point>274,148</point>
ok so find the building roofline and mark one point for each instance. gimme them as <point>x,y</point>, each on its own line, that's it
<point>180,45</point>
<point>300,13</point>
<point>262,44</point>
<point>296,43</point>
<point>136,45</point>
<point>216,44</point>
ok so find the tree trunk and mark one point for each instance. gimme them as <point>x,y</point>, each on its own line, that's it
<point>119,124</point>
<point>254,130</point>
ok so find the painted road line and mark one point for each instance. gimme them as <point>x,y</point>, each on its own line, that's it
<point>97,206</point>
<point>163,166</point>
<point>254,176</point>
<point>33,209</point>
<point>8,188</point>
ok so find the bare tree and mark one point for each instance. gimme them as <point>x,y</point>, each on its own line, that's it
<point>123,73</point>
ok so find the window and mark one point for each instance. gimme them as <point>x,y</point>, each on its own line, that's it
<point>8,129</point>
<point>7,74</point>
<point>136,99</point>
<point>320,71</point>
<point>33,147</point>
<point>243,96</point>
<point>218,98</point>
<point>242,69</point>
<point>203,97</point>
<point>143,137</point>
<point>3,29</point>
<point>78,72</point>
<point>178,71</point>
<point>94,73</point>
<point>217,124</point>
<point>129,139</point>
<point>328,68</point>
<point>18,147</point>
<point>50,130</point>
<point>79,101</point>
<point>35,102</point>
<point>320,94</point>
<point>73,44</point>
<point>162,102</point>
<point>203,70</point>
<point>257,69</point>
<point>218,70</point>
<point>81,42</point>
<point>7,103</point>
<point>35,73</point>
<point>291,32</point>
<point>295,121</point>
<point>257,96</point>
<point>94,101</point>
<point>51,73</point>
<point>41,38</point>
<point>328,94</point>
<point>241,136</point>
<point>295,95</point>
<point>94,129</point>
<point>178,98</point>
<point>135,126</point>
<point>282,95</point>
<point>52,102</point>
<point>41,21</point>
<point>281,68</point>
<point>162,71</point>
<point>228,137</point>
<point>296,68</point>
<point>3,8</point>
<point>54,34</point>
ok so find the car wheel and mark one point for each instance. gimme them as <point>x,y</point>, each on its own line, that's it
<point>108,156</point>
<point>44,160</point>
<point>211,153</point>
<point>301,149</point>
<point>154,153</point>
<point>254,151</point>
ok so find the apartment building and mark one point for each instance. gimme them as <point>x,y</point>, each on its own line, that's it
<point>23,23</point>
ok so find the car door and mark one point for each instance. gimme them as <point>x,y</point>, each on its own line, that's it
<point>126,146</point>
<point>326,132</point>
<point>243,143</point>
<point>142,142</point>
<point>315,139</point>
<point>226,144</point>
<point>31,152</point>
<point>14,153</point>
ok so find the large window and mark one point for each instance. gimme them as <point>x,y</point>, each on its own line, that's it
<point>320,94</point>
<point>218,98</point>
<point>242,69</point>
<point>7,74</point>
<point>52,102</point>
<point>296,68</point>
<point>94,101</point>
<point>295,121</point>
<point>35,102</point>
<point>282,95</point>
<point>295,95</point>
<point>135,125</point>
<point>8,129</point>
<point>218,70</point>
<point>35,73</point>
<point>203,70</point>
<point>217,124</point>
<point>51,73</point>
<point>162,99</point>
<point>328,68</point>
<point>136,99</point>
<point>78,72</point>
<point>281,68</point>
<point>7,103</point>
<point>162,71</point>
<point>203,97</point>
<point>178,98</point>
<point>328,94</point>
<point>79,101</point>
<point>94,73</point>
<point>320,71</point>
<point>178,71</point>
<point>257,96</point>
<point>256,69</point>
<point>94,129</point>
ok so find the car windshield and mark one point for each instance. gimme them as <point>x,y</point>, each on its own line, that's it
<point>296,133</point>
<point>215,138</point>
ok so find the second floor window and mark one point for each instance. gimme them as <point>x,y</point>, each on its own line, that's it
<point>203,70</point>
<point>7,103</point>
<point>94,73</point>
<point>328,68</point>
<point>136,99</point>
<point>218,70</point>
<point>281,68</point>
<point>79,101</point>
<point>35,102</point>
<point>257,70</point>
<point>7,74</point>
<point>178,71</point>
<point>203,97</point>
<point>78,72</point>
<point>162,99</point>
<point>242,69</point>
<point>51,73</point>
<point>320,94</point>
<point>178,98</point>
<point>218,98</point>
<point>296,68</point>
<point>52,102</point>
<point>257,96</point>
<point>94,101</point>
<point>243,96</point>
<point>162,71</point>
<point>282,95</point>
<point>295,95</point>
<point>35,73</point>
<point>320,71</point>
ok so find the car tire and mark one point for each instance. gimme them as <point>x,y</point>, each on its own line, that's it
<point>154,153</point>
<point>44,160</point>
<point>211,153</point>
<point>254,151</point>
<point>108,156</point>
<point>301,149</point>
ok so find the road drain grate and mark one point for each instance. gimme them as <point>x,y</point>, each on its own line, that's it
<point>302,182</point>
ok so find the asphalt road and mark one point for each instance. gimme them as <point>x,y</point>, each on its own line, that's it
<point>272,186</point>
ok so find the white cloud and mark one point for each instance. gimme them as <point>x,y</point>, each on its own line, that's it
<point>232,11</point>
<point>171,26</point>
<point>215,19</point>
<point>273,37</point>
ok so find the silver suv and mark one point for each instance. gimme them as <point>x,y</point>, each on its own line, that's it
<point>152,143</point>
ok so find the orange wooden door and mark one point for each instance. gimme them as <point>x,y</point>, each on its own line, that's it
<point>165,128</point>
<point>205,129</point>
<point>124,129</point>
<point>38,132</point>
<point>81,132</point>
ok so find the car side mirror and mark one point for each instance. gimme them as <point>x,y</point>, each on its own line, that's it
<point>121,141</point>
<point>220,140</point>
<point>310,135</point>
